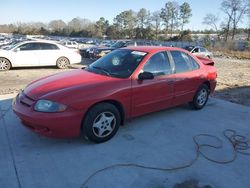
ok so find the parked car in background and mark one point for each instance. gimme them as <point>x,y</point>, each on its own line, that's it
<point>38,53</point>
<point>123,84</point>
<point>97,52</point>
<point>70,44</point>
<point>199,51</point>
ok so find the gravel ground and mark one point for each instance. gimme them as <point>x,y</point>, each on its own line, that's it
<point>233,82</point>
<point>233,79</point>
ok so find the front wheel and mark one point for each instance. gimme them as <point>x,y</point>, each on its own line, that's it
<point>4,64</point>
<point>200,98</point>
<point>101,123</point>
<point>62,63</point>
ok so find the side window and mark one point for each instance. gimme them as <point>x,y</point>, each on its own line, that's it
<point>202,50</point>
<point>47,46</point>
<point>196,50</point>
<point>139,43</point>
<point>182,62</point>
<point>158,64</point>
<point>132,43</point>
<point>195,65</point>
<point>29,46</point>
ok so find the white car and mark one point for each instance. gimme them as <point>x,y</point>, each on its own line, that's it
<point>199,51</point>
<point>38,53</point>
<point>70,44</point>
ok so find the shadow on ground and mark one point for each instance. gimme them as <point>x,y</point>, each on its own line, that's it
<point>239,95</point>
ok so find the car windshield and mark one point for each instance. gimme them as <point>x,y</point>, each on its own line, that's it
<point>118,63</point>
<point>118,44</point>
<point>189,48</point>
<point>12,45</point>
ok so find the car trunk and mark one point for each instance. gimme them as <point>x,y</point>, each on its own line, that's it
<point>206,61</point>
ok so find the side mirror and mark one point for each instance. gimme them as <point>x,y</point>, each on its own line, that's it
<point>17,50</point>
<point>145,76</point>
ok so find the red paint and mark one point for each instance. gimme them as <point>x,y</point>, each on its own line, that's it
<point>80,90</point>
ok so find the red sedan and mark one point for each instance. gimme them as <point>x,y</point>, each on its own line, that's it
<point>125,83</point>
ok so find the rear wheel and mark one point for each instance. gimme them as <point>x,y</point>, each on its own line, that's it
<point>62,63</point>
<point>200,98</point>
<point>4,64</point>
<point>101,123</point>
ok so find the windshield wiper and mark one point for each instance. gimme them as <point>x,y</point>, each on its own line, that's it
<point>105,71</point>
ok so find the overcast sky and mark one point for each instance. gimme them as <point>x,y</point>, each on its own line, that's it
<point>13,11</point>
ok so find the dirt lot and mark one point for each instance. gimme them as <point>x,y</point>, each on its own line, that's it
<point>233,79</point>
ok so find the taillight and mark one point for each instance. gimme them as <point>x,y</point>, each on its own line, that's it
<point>212,75</point>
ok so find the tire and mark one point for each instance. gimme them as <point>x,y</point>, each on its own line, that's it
<point>101,123</point>
<point>62,63</point>
<point>200,98</point>
<point>4,64</point>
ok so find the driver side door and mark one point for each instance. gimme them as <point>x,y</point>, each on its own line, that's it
<point>26,55</point>
<point>155,94</point>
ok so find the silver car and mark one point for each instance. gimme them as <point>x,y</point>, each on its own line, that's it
<point>199,51</point>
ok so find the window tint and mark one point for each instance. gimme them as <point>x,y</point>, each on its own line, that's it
<point>29,46</point>
<point>118,63</point>
<point>158,64</point>
<point>132,43</point>
<point>195,65</point>
<point>47,46</point>
<point>196,50</point>
<point>182,62</point>
<point>202,50</point>
<point>140,43</point>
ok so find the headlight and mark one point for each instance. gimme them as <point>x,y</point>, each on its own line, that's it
<point>49,106</point>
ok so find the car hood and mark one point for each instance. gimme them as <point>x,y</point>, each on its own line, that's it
<point>61,81</point>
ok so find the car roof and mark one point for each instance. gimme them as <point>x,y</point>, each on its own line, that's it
<point>152,49</point>
<point>40,41</point>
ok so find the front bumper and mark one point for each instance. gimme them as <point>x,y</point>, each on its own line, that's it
<point>59,125</point>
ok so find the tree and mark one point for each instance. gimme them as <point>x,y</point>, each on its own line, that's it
<point>185,14</point>
<point>101,27</point>
<point>143,18</point>
<point>143,22</point>
<point>112,32</point>
<point>57,25</point>
<point>211,20</point>
<point>165,15</point>
<point>248,20</point>
<point>234,9</point>
<point>156,23</point>
<point>169,15</point>
<point>76,24</point>
<point>126,23</point>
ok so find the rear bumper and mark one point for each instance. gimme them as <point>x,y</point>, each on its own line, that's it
<point>59,125</point>
<point>212,86</point>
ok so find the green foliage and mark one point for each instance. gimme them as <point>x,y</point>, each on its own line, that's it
<point>185,35</point>
<point>185,14</point>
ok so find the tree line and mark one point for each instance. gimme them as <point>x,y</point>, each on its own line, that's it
<point>167,23</point>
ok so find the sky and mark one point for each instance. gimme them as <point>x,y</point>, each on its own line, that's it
<point>13,11</point>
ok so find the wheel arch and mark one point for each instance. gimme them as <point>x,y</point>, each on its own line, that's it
<point>207,83</point>
<point>8,60</point>
<point>116,103</point>
<point>63,57</point>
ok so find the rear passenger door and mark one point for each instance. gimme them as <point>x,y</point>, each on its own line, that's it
<point>48,54</point>
<point>187,77</point>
